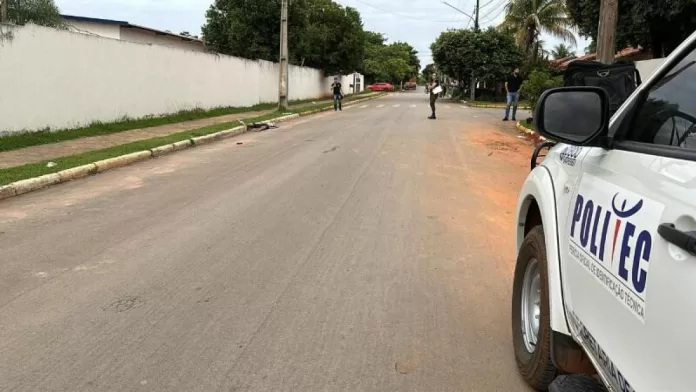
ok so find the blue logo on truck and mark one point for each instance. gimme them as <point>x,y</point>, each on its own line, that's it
<point>596,226</point>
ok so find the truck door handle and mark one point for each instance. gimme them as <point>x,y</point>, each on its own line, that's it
<point>683,239</point>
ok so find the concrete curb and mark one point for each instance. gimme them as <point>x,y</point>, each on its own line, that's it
<point>530,133</point>
<point>123,160</point>
<point>77,172</point>
<point>481,106</point>
<point>32,184</point>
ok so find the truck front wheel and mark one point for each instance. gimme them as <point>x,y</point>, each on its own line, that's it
<point>531,328</point>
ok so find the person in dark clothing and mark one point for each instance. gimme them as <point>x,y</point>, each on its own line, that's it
<point>337,94</point>
<point>433,95</point>
<point>512,86</point>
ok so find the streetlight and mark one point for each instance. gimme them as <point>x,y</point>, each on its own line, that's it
<point>472,87</point>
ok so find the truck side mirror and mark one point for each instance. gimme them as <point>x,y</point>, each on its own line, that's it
<point>573,115</point>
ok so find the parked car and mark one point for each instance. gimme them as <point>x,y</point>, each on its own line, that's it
<point>606,238</point>
<point>382,86</point>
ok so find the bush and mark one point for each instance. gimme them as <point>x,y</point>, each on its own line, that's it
<point>538,82</point>
<point>458,93</point>
<point>490,95</point>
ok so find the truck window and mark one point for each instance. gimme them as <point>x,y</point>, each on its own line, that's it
<point>668,115</point>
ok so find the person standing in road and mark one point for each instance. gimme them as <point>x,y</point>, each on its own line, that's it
<point>337,94</point>
<point>512,87</point>
<point>433,94</point>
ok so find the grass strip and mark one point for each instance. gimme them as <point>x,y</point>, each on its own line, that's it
<point>28,139</point>
<point>32,170</point>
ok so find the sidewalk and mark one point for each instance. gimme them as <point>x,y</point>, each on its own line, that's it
<point>45,152</point>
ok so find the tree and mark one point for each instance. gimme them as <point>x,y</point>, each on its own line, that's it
<point>374,38</point>
<point>428,71</point>
<point>529,18</point>
<point>561,51</point>
<point>540,51</point>
<point>537,82</point>
<point>396,62</point>
<point>389,63</point>
<point>658,25</point>
<point>40,12</point>
<point>489,54</point>
<point>413,60</point>
<point>322,33</point>
<point>592,47</point>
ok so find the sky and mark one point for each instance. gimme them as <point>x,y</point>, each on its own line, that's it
<point>417,22</point>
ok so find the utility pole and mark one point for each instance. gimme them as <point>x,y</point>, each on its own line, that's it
<point>283,64</point>
<point>3,11</point>
<point>475,18</point>
<point>472,88</point>
<point>606,34</point>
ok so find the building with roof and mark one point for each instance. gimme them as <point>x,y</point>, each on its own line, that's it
<point>627,54</point>
<point>126,31</point>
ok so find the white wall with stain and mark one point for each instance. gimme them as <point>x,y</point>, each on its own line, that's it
<point>61,79</point>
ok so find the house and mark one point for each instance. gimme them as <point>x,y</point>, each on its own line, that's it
<point>627,54</point>
<point>126,31</point>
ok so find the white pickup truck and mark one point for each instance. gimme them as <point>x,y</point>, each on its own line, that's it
<point>604,294</point>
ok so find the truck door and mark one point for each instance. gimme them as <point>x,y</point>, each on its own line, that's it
<point>628,267</point>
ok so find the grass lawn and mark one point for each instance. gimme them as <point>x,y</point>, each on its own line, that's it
<point>24,172</point>
<point>31,170</point>
<point>23,140</point>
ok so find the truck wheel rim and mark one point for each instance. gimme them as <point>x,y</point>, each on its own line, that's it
<point>531,305</point>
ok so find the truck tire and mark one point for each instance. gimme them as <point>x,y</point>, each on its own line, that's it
<point>531,326</point>
<point>576,383</point>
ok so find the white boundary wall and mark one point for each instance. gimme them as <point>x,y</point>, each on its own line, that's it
<point>61,79</point>
<point>647,67</point>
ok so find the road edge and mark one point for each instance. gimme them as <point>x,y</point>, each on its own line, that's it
<point>530,133</point>
<point>498,106</point>
<point>21,187</point>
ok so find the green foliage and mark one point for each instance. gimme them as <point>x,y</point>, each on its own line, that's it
<point>561,51</point>
<point>591,48</point>
<point>428,71</point>
<point>490,54</point>
<point>40,12</point>
<point>413,60</point>
<point>322,33</point>
<point>458,93</point>
<point>536,83</point>
<point>373,38</point>
<point>658,25</point>
<point>527,19</point>
<point>395,63</point>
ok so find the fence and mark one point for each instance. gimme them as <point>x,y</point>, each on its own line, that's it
<point>61,79</point>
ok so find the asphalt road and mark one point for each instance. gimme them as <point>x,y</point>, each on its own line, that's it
<point>366,250</point>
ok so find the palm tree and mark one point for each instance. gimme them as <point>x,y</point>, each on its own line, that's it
<point>529,18</point>
<point>561,51</point>
<point>540,51</point>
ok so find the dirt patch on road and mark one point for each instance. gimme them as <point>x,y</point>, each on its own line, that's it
<point>473,178</point>
<point>511,148</point>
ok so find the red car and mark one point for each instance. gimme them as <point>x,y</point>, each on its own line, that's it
<point>382,86</point>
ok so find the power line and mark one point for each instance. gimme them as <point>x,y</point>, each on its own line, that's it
<point>469,22</point>
<point>500,7</point>
<point>405,16</point>
<point>457,9</point>
<point>489,2</point>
